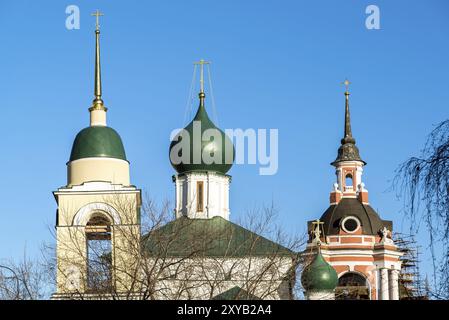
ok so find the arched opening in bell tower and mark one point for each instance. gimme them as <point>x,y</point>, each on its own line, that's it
<point>352,286</point>
<point>348,182</point>
<point>99,254</point>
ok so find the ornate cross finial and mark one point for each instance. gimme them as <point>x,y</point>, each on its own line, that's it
<point>317,231</point>
<point>201,63</point>
<point>346,83</point>
<point>97,14</point>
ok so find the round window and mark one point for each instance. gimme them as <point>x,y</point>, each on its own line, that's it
<point>350,224</point>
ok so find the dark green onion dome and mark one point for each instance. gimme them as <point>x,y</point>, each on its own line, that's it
<point>97,141</point>
<point>223,151</point>
<point>319,275</point>
<point>348,151</point>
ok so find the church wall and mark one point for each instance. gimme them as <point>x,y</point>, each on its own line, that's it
<point>208,277</point>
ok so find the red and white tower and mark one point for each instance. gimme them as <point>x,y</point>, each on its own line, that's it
<point>355,241</point>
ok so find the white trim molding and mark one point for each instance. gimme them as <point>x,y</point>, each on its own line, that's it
<point>84,213</point>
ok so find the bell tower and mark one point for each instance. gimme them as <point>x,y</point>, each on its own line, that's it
<point>348,164</point>
<point>351,235</point>
<point>97,220</point>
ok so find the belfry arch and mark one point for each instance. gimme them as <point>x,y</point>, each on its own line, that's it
<point>352,286</point>
<point>99,253</point>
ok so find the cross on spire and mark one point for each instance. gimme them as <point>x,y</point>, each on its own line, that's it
<point>97,14</point>
<point>98,101</point>
<point>201,63</point>
<point>346,83</point>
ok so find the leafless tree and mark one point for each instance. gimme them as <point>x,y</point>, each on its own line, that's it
<point>187,258</point>
<point>23,280</point>
<point>423,183</point>
<point>164,258</point>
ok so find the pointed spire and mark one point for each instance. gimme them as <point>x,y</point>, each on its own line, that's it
<point>348,150</point>
<point>348,133</point>
<point>98,102</point>
<point>97,110</point>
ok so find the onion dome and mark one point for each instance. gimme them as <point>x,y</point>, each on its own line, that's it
<point>348,151</point>
<point>207,147</point>
<point>97,141</point>
<point>319,275</point>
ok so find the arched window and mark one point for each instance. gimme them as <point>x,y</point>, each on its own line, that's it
<point>348,181</point>
<point>99,253</point>
<point>352,286</point>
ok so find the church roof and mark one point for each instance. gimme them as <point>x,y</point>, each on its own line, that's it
<point>214,237</point>
<point>370,221</point>
<point>235,293</point>
<point>97,141</point>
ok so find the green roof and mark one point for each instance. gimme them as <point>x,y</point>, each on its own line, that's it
<point>216,149</point>
<point>235,293</point>
<point>215,237</point>
<point>319,275</point>
<point>97,141</point>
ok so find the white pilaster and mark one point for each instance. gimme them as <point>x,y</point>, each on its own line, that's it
<point>394,284</point>
<point>384,286</point>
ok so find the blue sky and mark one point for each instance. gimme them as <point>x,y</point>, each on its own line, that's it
<point>275,64</point>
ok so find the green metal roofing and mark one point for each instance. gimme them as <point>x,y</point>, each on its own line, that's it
<point>319,275</point>
<point>217,149</point>
<point>235,293</point>
<point>215,237</point>
<point>97,141</point>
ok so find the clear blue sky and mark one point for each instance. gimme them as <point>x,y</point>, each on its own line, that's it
<point>276,64</point>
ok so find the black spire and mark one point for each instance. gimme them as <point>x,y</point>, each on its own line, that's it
<point>348,151</point>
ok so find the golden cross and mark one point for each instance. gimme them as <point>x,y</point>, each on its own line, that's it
<point>97,14</point>
<point>201,63</point>
<point>317,222</point>
<point>346,83</point>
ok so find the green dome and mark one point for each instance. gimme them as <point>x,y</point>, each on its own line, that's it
<point>216,149</point>
<point>97,141</point>
<point>319,275</point>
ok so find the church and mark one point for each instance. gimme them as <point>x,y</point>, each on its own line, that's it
<point>103,253</point>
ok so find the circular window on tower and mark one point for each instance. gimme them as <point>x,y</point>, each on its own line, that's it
<point>350,224</point>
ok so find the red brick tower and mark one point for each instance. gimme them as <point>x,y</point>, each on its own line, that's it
<point>354,239</point>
